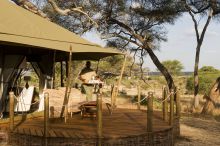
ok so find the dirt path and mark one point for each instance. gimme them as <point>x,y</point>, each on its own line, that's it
<point>199,132</point>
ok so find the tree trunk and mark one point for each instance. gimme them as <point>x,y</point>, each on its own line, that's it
<point>199,44</point>
<point>196,77</point>
<point>162,69</point>
<point>213,99</point>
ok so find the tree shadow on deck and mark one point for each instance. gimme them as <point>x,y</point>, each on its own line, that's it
<point>23,119</point>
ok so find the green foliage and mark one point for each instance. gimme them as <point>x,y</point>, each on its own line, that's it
<point>173,66</point>
<point>156,103</point>
<point>208,69</point>
<point>207,76</point>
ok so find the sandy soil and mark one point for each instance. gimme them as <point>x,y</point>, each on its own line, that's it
<point>199,132</point>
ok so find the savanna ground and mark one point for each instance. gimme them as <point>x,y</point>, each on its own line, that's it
<point>199,131</point>
<point>196,129</point>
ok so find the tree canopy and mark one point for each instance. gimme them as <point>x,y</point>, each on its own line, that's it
<point>208,69</point>
<point>174,66</point>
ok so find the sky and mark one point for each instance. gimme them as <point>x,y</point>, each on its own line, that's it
<point>181,45</point>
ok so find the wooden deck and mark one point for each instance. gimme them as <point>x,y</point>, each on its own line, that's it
<point>122,123</point>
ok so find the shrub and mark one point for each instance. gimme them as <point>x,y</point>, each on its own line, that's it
<point>205,82</point>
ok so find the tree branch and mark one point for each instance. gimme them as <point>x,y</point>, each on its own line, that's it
<point>206,25</point>
<point>68,11</point>
<point>195,26</point>
<point>30,7</point>
<point>130,30</point>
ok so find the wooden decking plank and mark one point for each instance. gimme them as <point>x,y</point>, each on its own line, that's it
<point>122,123</point>
<point>52,133</point>
<point>58,133</point>
<point>33,131</point>
<point>27,131</point>
<point>39,132</point>
<point>21,130</point>
<point>71,134</point>
<point>16,130</point>
<point>65,134</point>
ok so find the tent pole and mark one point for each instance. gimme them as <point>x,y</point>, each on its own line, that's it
<point>61,74</point>
<point>53,74</point>
<point>97,68</point>
<point>119,81</point>
<point>67,69</point>
<point>68,84</point>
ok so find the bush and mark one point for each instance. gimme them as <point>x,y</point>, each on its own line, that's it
<point>205,82</point>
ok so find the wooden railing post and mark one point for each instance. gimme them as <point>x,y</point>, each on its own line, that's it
<point>178,106</point>
<point>99,117</point>
<point>66,113</point>
<point>171,107</point>
<point>150,112</point>
<point>46,114</point>
<point>178,111</point>
<point>11,110</point>
<point>139,97</point>
<point>113,98</point>
<point>165,104</point>
<point>150,118</point>
<point>61,74</point>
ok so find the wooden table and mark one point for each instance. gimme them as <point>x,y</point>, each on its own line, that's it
<point>88,109</point>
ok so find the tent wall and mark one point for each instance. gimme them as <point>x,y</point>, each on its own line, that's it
<point>9,66</point>
<point>44,70</point>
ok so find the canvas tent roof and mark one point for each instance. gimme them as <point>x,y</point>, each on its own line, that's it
<point>21,32</point>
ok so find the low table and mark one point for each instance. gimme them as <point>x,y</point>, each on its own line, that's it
<point>88,109</point>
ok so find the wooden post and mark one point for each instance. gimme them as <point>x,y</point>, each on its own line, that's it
<point>54,72</point>
<point>171,107</point>
<point>150,112</point>
<point>120,78</point>
<point>11,111</point>
<point>150,118</point>
<point>113,96</point>
<point>165,104</point>
<point>99,117</point>
<point>178,111</point>
<point>139,97</point>
<point>68,84</point>
<point>178,106</point>
<point>61,74</point>
<point>66,113</point>
<point>46,114</point>
<point>67,69</point>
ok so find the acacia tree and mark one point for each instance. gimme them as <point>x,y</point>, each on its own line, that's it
<point>211,9</point>
<point>138,26</point>
<point>173,66</point>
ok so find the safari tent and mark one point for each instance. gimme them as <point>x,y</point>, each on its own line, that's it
<point>25,36</point>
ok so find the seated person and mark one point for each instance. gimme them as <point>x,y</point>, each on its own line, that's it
<point>85,76</point>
